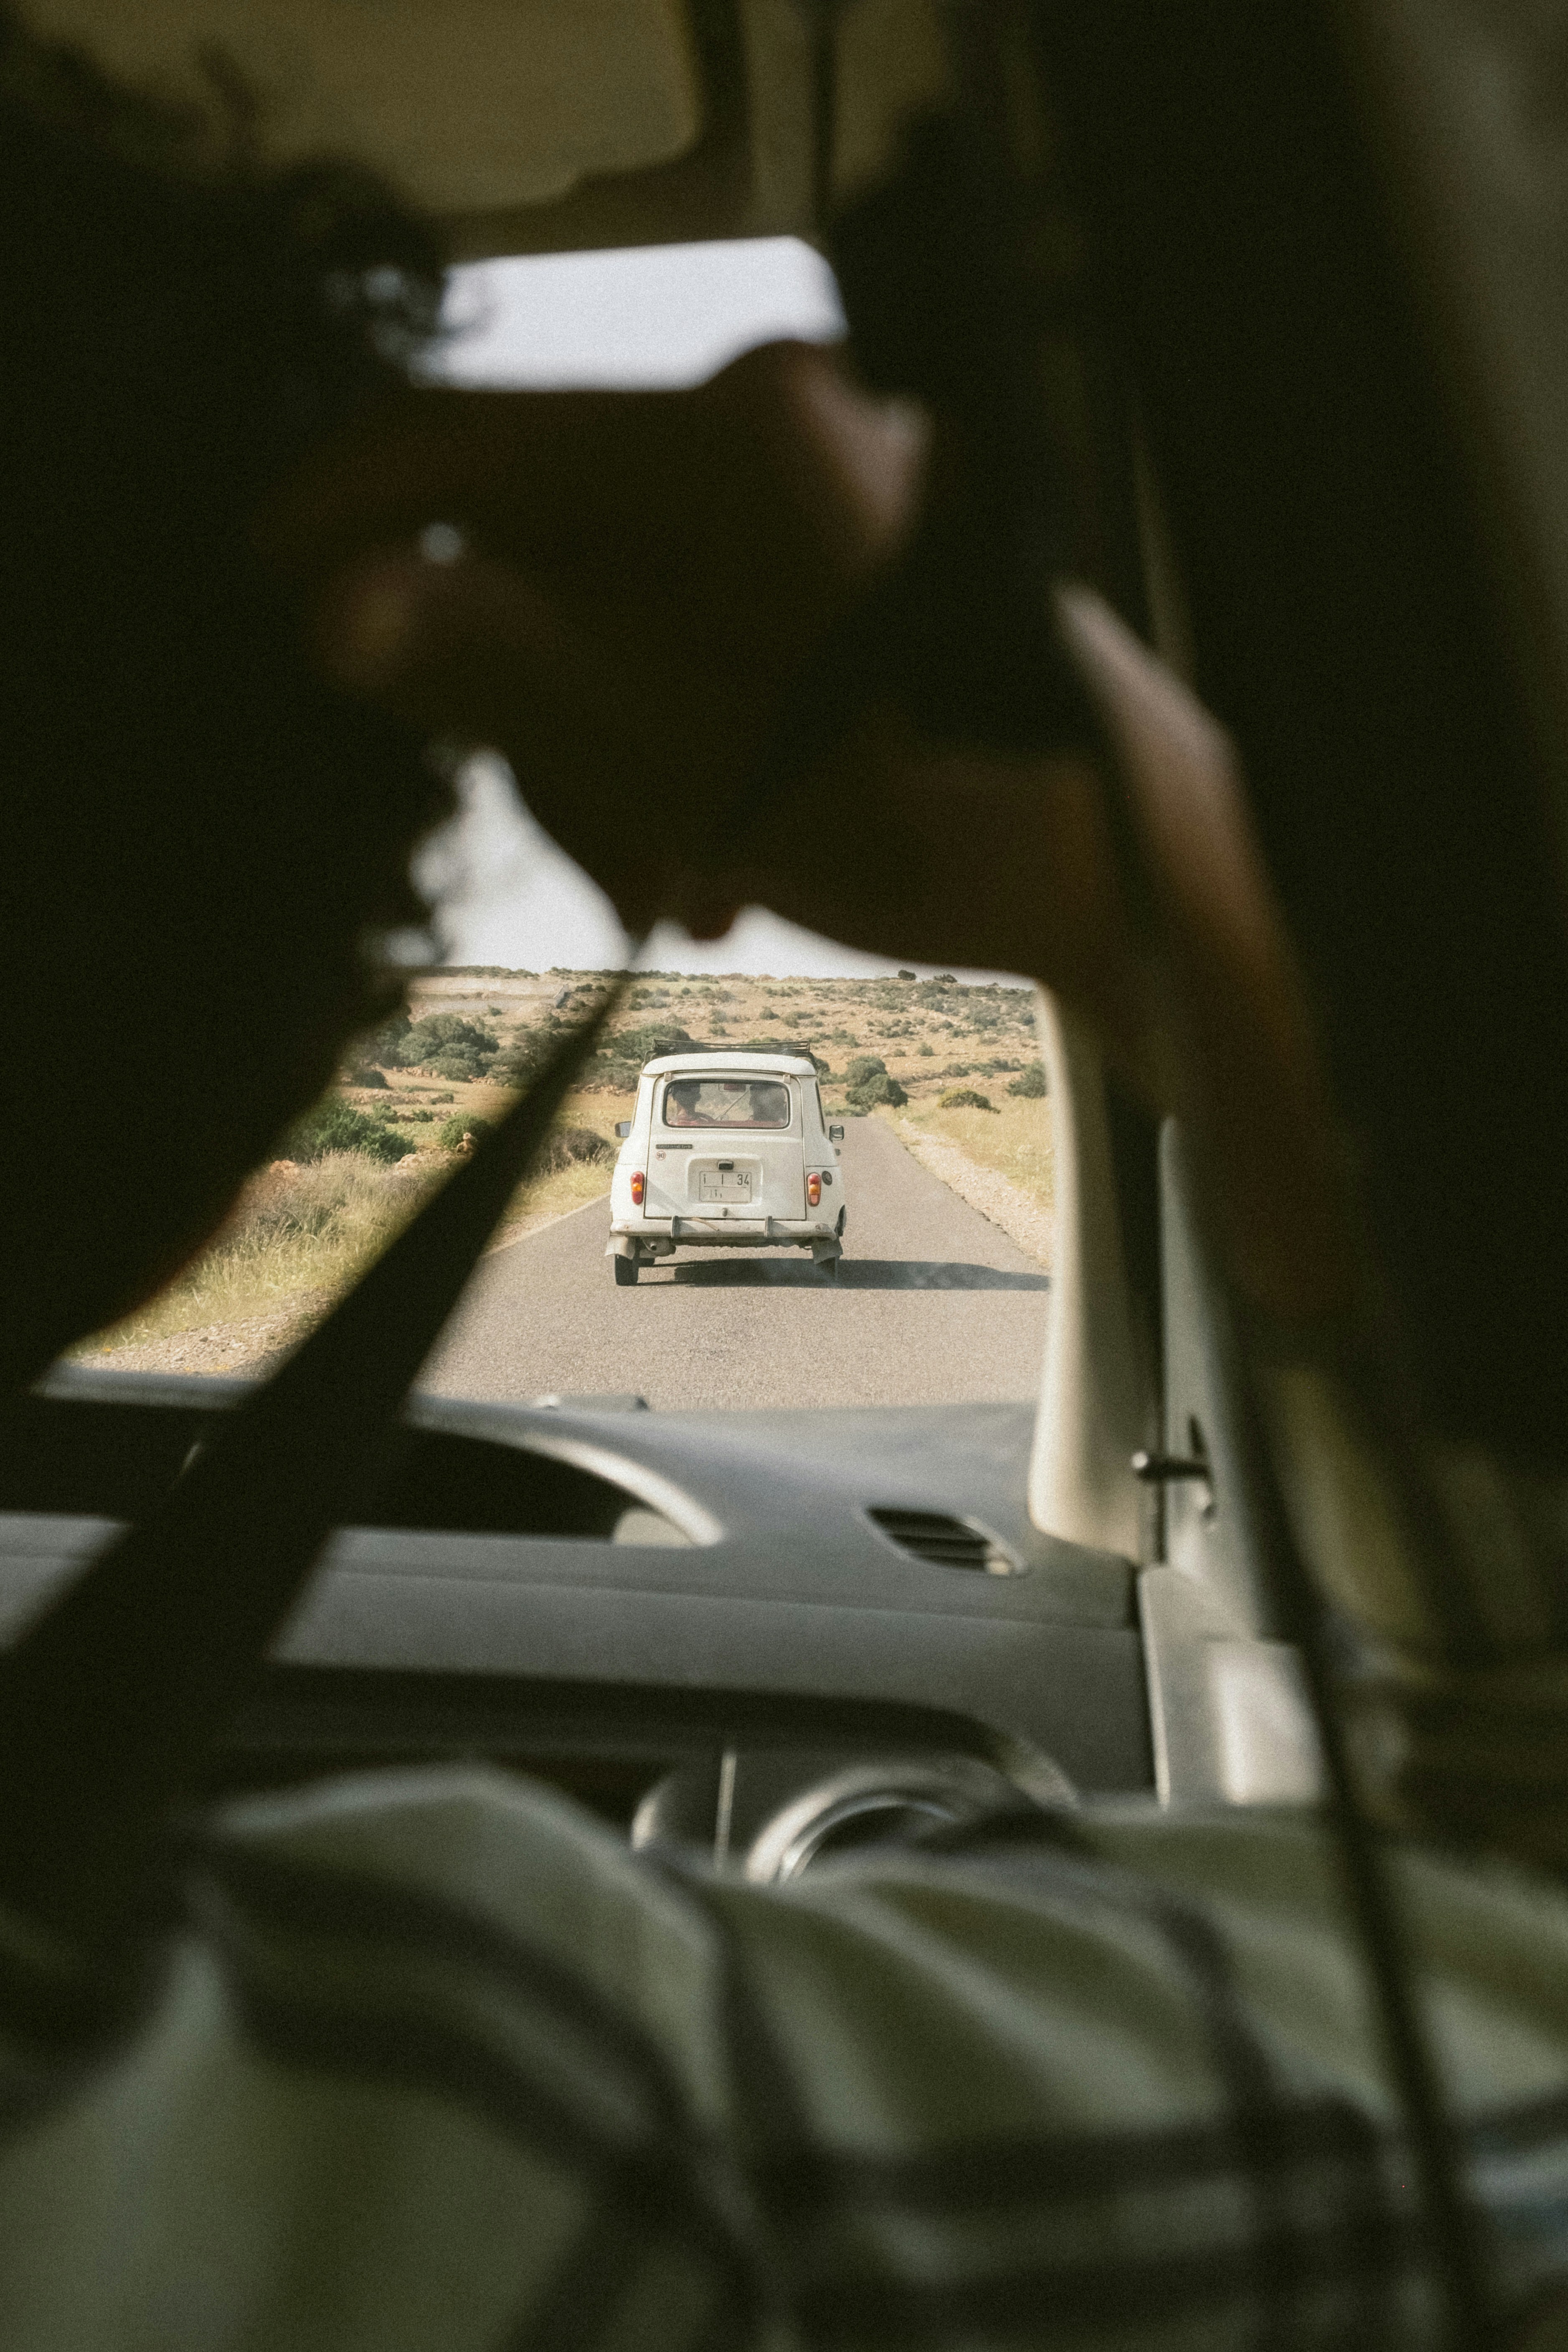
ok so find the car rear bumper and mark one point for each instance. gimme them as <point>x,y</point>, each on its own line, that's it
<point>721,1233</point>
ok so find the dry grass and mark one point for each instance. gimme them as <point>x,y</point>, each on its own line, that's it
<point>555,1195</point>
<point>313,1228</point>
<point>303,1234</point>
<point>1014,1139</point>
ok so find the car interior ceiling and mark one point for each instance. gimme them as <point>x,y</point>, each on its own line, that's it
<point>1308,447</point>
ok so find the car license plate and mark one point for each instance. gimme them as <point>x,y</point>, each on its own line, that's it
<point>722,1185</point>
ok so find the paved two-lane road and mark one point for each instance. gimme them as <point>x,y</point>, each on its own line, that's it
<point>932,1305</point>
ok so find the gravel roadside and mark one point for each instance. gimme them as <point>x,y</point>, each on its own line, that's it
<point>1005,1204</point>
<point>257,1343</point>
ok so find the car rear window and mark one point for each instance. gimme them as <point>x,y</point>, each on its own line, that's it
<point>726,1102</point>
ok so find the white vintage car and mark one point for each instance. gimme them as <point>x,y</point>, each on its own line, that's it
<point>727,1151</point>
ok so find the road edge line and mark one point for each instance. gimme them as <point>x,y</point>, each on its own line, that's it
<point>493,1249</point>
<point>912,1139</point>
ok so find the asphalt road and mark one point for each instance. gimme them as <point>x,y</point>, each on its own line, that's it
<point>933,1306</point>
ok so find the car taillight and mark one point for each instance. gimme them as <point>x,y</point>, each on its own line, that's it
<point>814,1191</point>
<point>640,1182</point>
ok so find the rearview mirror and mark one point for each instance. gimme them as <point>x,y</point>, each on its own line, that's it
<point>622,1127</point>
<point>836,1135</point>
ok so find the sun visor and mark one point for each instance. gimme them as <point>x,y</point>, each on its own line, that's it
<point>470,106</point>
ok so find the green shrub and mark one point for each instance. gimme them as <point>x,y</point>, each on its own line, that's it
<point>462,1069</point>
<point>878,1088</point>
<point>365,1073</point>
<point>443,1037</point>
<point>646,1045</point>
<point>568,1147</point>
<point>924,1050</point>
<point>434,1098</point>
<point>521,1062</point>
<point>964,1098</point>
<point>451,1133</point>
<point>338,1127</point>
<point>603,1077</point>
<point>862,1068</point>
<point>381,1045</point>
<point>1031,1084</point>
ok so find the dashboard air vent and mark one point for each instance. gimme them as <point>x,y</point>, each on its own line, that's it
<point>946,1542</point>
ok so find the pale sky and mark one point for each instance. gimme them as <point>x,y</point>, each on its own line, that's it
<point>659,315</point>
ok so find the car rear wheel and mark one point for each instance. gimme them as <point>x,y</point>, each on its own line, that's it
<point>626,1271</point>
<point>828,1266</point>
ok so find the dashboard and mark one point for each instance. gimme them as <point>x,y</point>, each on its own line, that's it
<point>769,1633</point>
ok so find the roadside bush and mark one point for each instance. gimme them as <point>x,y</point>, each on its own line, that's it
<point>568,1147</point>
<point>617,1066</point>
<point>1031,1083</point>
<point>451,1133</point>
<point>520,1062</point>
<point>964,1098</point>
<point>446,1037</point>
<point>365,1073</point>
<point>338,1127</point>
<point>381,1046</point>
<point>862,1068</point>
<point>603,1076</point>
<point>879,1088</point>
<point>462,1069</point>
<point>644,1045</point>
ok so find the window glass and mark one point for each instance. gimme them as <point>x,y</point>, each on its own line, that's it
<point>727,1102</point>
<point>940,1193</point>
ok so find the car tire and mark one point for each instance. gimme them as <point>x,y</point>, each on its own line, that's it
<point>626,1271</point>
<point>838,1228</point>
<point>829,1266</point>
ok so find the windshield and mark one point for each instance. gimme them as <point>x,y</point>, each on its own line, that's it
<point>877,1233</point>
<point>726,1102</point>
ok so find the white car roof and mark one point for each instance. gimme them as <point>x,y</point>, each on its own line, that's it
<point>765,1066</point>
